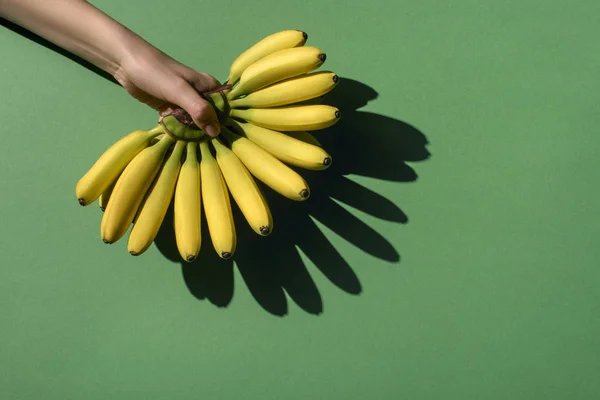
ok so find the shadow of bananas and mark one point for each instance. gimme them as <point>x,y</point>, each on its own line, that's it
<point>361,144</point>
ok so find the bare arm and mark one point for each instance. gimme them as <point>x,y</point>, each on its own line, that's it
<point>147,74</point>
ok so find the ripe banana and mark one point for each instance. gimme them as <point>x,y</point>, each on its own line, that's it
<point>187,206</point>
<point>277,41</point>
<point>244,189</point>
<point>111,163</point>
<point>268,169</point>
<point>291,90</point>
<point>277,67</point>
<point>217,205</point>
<point>154,207</point>
<point>284,147</point>
<point>130,189</point>
<point>290,118</point>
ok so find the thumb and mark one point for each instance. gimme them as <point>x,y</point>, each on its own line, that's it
<point>201,111</point>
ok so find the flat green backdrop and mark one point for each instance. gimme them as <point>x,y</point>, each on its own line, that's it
<point>449,253</point>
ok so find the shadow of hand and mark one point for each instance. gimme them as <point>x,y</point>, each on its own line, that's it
<point>361,143</point>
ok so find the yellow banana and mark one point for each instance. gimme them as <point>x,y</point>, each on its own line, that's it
<point>284,147</point>
<point>217,206</point>
<point>154,207</point>
<point>291,90</point>
<point>130,189</point>
<point>290,118</point>
<point>268,169</point>
<point>270,44</point>
<point>187,206</point>
<point>277,67</point>
<point>244,190</point>
<point>105,196</point>
<point>111,163</point>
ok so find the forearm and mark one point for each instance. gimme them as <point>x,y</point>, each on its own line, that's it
<point>77,26</point>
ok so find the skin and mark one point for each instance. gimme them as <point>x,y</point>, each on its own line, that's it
<point>146,73</point>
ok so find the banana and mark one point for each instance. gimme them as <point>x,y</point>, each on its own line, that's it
<point>187,206</point>
<point>284,147</point>
<point>111,163</point>
<point>268,169</point>
<point>270,44</point>
<point>217,206</point>
<point>277,67</point>
<point>291,90</point>
<point>244,189</point>
<point>130,189</point>
<point>290,118</point>
<point>105,196</point>
<point>154,207</point>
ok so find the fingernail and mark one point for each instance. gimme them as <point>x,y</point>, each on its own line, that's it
<point>212,130</point>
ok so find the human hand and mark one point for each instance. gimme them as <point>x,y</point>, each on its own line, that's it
<point>145,72</point>
<point>163,83</point>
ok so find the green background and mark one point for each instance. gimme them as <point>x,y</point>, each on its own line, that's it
<point>449,253</point>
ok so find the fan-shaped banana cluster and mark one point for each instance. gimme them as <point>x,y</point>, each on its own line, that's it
<point>265,111</point>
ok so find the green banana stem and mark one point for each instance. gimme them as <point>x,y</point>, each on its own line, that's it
<point>157,130</point>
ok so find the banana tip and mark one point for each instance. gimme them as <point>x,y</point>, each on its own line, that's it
<point>265,230</point>
<point>106,241</point>
<point>81,201</point>
<point>327,161</point>
<point>336,79</point>
<point>338,114</point>
<point>322,57</point>
<point>304,193</point>
<point>226,255</point>
<point>190,258</point>
<point>304,35</point>
<point>133,253</point>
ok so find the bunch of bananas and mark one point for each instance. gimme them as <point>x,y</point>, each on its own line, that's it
<point>266,108</point>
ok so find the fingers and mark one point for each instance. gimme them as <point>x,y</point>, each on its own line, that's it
<point>186,95</point>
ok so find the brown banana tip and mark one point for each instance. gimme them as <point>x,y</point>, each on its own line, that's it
<point>105,241</point>
<point>304,193</point>
<point>81,202</point>
<point>327,161</point>
<point>226,255</point>
<point>322,57</point>
<point>304,35</point>
<point>264,230</point>
<point>336,79</point>
<point>338,114</point>
<point>190,258</point>
<point>133,253</point>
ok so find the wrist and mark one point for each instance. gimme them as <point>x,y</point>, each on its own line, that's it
<point>134,55</point>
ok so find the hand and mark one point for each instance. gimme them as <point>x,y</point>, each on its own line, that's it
<point>145,72</point>
<point>162,83</point>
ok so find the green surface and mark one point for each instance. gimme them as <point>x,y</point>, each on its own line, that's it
<point>478,280</point>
